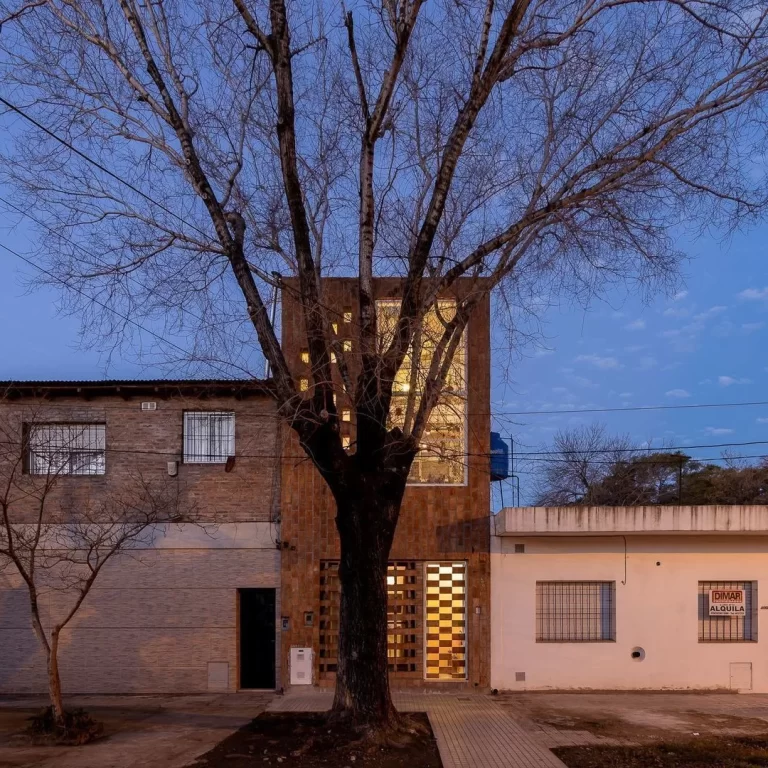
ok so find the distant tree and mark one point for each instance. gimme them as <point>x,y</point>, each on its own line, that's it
<point>577,465</point>
<point>60,547</point>
<point>522,146</point>
<point>587,466</point>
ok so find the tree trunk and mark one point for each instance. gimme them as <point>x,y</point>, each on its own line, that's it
<point>54,680</point>
<point>366,526</point>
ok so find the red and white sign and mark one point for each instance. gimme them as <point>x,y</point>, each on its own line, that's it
<point>727,602</point>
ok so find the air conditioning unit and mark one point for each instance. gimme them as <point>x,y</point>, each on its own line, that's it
<point>301,666</point>
<point>149,406</point>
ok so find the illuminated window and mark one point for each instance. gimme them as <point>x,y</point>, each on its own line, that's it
<point>304,355</point>
<point>303,384</point>
<point>346,415</point>
<point>346,441</point>
<point>347,345</point>
<point>335,327</point>
<point>333,357</point>
<point>445,602</point>
<point>347,315</point>
<point>442,456</point>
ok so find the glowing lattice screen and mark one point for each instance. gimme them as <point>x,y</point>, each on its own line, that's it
<point>445,594</point>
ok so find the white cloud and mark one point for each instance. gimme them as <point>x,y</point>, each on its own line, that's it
<point>754,294</point>
<point>635,325</point>
<point>711,312</point>
<point>645,363</point>
<point>675,312</point>
<point>727,381</point>
<point>718,431</point>
<point>678,393</point>
<point>543,352</point>
<point>599,362</point>
<point>762,420</point>
<point>582,381</point>
<point>680,295</point>
<point>751,327</point>
<point>625,395</point>
<point>560,390</point>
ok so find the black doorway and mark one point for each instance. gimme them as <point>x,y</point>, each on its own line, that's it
<point>257,638</point>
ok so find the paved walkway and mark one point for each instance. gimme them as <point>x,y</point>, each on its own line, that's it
<point>142,731</point>
<point>471,730</point>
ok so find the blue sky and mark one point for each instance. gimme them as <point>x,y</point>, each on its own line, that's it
<point>704,344</point>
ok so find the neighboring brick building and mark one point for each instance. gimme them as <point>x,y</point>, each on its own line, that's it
<point>170,619</point>
<point>440,570</point>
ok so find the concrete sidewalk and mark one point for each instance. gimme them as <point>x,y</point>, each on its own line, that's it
<point>471,730</point>
<point>141,731</point>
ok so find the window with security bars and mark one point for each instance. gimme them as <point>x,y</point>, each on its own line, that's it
<point>728,629</point>
<point>575,611</point>
<point>404,619</point>
<point>66,449</point>
<point>209,436</point>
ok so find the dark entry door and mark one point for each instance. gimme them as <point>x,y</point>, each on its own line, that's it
<point>257,638</point>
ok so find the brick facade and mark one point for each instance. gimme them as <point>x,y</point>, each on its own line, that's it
<point>437,523</point>
<point>155,621</point>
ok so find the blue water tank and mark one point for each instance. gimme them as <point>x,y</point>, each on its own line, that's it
<point>499,457</point>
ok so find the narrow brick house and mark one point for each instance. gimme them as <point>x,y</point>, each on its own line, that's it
<point>439,590</point>
<point>197,611</point>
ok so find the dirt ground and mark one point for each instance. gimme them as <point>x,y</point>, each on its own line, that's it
<point>645,717</point>
<point>726,752</point>
<point>304,740</point>
<point>139,731</point>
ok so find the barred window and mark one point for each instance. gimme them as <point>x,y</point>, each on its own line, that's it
<point>209,436</point>
<point>575,611</point>
<point>737,627</point>
<point>66,449</point>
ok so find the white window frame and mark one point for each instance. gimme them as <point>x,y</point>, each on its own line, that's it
<point>202,448</point>
<point>60,448</point>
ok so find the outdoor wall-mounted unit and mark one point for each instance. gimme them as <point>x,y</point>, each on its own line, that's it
<point>301,666</point>
<point>499,457</point>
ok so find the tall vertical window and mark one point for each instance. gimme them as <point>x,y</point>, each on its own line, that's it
<point>575,611</point>
<point>727,611</point>
<point>442,454</point>
<point>209,436</point>
<point>66,449</point>
<point>446,621</point>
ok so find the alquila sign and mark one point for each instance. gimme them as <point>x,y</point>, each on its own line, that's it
<point>727,602</point>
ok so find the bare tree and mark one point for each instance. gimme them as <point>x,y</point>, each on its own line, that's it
<point>575,468</point>
<point>60,547</point>
<point>541,145</point>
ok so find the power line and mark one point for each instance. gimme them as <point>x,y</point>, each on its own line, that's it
<point>631,408</point>
<point>660,449</point>
<point>84,250</point>
<point>96,163</point>
<point>101,303</point>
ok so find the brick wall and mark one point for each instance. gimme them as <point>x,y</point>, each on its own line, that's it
<point>154,620</point>
<point>437,523</point>
<point>143,442</point>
